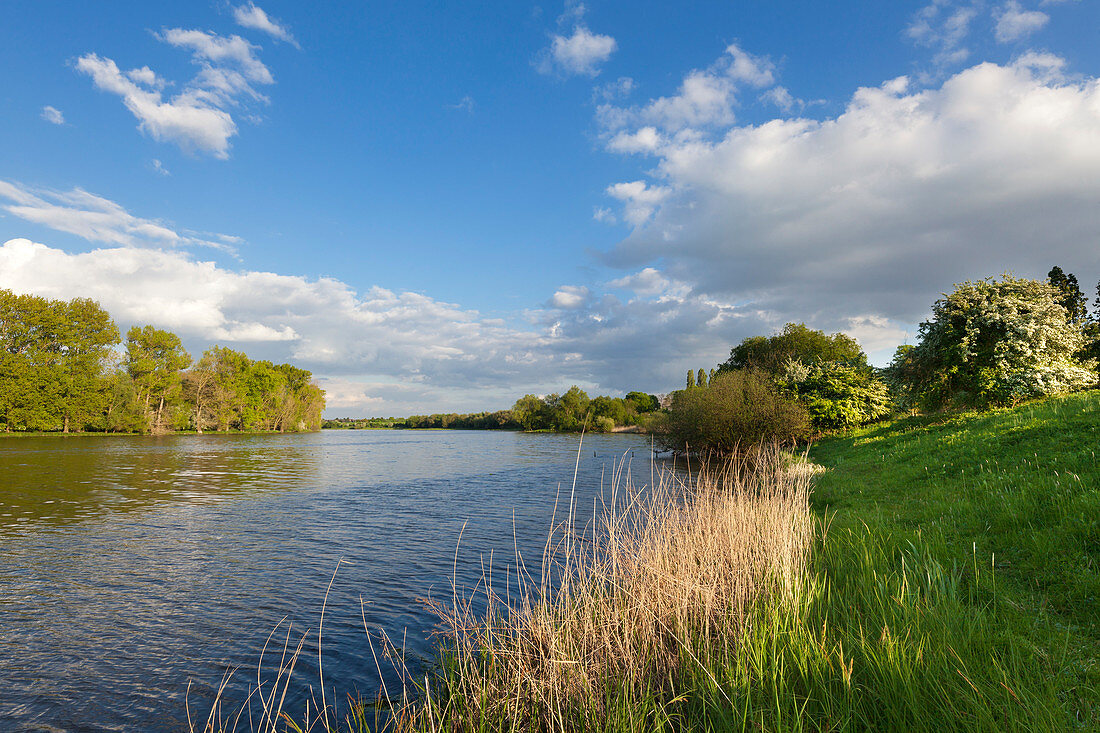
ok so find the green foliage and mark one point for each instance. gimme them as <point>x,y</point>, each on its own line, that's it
<point>796,341</point>
<point>739,409</point>
<point>690,379</point>
<point>53,358</point>
<point>499,420</point>
<point>58,371</point>
<point>836,395</point>
<point>642,402</point>
<point>994,342</point>
<point>701,377</point>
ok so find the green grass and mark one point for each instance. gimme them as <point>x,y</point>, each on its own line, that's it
<point>1013,495</point>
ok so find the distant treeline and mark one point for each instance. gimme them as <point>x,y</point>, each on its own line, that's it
<point>61,369</point>
<point>568,412</point>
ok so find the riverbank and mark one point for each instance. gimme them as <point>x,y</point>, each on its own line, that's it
<point>948,581</point>
<point>954,586</point>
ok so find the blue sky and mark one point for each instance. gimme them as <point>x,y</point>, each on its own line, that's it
<point>444,207</point>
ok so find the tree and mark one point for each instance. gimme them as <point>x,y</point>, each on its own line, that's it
<point>643,402</point>
<point>1069,295</point>
<point>701,377</point>
<point>836,395</point>
<point>796,341</point>
<point>995,342</point>
<point>154,359</point>
<point>88,335</point>
<point>690,379</point>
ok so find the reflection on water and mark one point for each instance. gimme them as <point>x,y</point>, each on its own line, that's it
<point>129,565</point>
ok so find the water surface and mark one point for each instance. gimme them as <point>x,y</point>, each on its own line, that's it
<point>130,565</point>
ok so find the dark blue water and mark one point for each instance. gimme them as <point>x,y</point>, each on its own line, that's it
<point>130,566</point>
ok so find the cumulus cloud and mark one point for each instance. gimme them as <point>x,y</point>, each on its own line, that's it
<point>706,97</point>
<point>872,213</point>
<point>53,115</point>
<point>199,118</point>
<point>569,297</point>
<point>97,219</point>
<point>1015,23</point>
<point>254,17</point>
<point>397,353</point>
<point>639,199</point>
<point>581,53</point>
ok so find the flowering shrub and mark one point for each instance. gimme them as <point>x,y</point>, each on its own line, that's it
<point>994,341</point>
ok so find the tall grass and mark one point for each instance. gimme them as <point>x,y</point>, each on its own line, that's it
<point>664,583</point>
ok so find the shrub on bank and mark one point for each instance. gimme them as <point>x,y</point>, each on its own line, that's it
<point>738,409</point>
<point>836,395</point>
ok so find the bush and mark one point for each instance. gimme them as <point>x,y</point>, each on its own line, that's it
<point>603,425</point>
<point>836,395</point>
<point>739,409</point>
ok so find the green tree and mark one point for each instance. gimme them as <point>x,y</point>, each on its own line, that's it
<point>836,395</point>
<point>88,335</point>
<point>690,379</point>
<point>154,360</point>
<point>643,402</point>
<point>796,341</point>
<point>701,377</point>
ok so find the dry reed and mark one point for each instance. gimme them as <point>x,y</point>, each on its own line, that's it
<point>662,576</point>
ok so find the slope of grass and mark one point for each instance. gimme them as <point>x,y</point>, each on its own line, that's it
<point>1014,493</point>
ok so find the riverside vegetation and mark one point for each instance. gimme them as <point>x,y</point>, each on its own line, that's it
<point>61,371</point>
<point>937,570</point>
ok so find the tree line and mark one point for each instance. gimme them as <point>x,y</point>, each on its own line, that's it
<point>64,367</point>
<point>568,412</point>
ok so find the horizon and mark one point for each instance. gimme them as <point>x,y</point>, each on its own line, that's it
<point>440,210</point>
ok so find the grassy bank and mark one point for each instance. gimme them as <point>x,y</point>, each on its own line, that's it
<point>941,576</point>
<point>1014,493</point>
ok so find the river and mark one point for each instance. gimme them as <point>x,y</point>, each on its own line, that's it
<point>130,566</point>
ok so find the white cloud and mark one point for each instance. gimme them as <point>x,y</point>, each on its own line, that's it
<point>1015,23</point>
<point>189,122</point>
<point>616,90</point>
<point>782,98</point>
<point>706,97</point>
<point>643,140</point>
<point>159,168</point>
<point>878,210</point>
<point>944,26</point>
<point>210,48</point>
<point>580,53</point>
<point>640,199</point>
<point>97,219</point>
<point>199,117</point>
<point>385,353</point>
<point>465,104</point>
<point>53,115</point>
<point>569,297</point>
<point>605,215</point>
<point>253,16</point>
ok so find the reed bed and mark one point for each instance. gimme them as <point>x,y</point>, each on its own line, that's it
<point>660,585</point>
